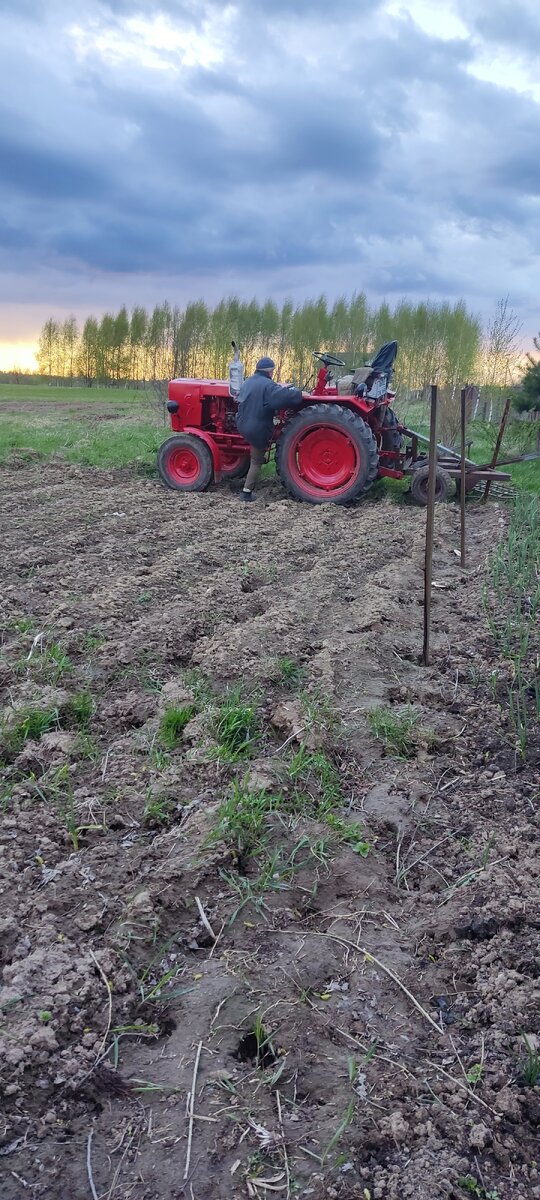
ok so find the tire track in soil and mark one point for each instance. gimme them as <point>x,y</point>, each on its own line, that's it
<point>340,590</point>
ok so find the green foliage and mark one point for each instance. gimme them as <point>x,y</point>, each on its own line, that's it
<point>29,725</point>
<point>474,1188</point>
<point>157,810</point>
<point>396,729</point>
<point>235,727</point>
<point>173,723</point>
<point>243,817</point>
<point>79,710</point>
<point>529,397</point>
<point>512,605</point>
<point>290,672</point>
<point>436,340</point>
<point>531,1066</point>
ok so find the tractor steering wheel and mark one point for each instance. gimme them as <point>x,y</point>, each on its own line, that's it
<point>329,360</point>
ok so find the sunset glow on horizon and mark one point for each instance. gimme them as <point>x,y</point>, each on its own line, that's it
<point>20,355</point>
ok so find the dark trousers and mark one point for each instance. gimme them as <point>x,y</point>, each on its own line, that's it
<point>257,457</point>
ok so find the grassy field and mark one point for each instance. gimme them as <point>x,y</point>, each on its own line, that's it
<point>116,427</point>
<point>101,427</point>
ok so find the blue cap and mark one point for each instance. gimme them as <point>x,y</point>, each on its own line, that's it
<point>265,364</point>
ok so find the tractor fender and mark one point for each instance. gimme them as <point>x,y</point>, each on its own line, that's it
<point>214,450</point>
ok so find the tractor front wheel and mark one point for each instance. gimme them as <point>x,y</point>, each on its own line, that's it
<point>185,463</point>
<point>327,454</point>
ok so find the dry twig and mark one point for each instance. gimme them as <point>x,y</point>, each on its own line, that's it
<point>191,1109</point>
<point>285,1156</point>
<point>109,998</point>
<point>204,919</point>
<point>89,1165</point>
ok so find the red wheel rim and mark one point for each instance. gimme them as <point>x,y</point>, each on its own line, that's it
<point>323,460</point>
<point>183,465</point>
<point>231,459</point>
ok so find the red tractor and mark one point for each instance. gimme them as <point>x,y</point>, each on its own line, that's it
<point>344,437</point>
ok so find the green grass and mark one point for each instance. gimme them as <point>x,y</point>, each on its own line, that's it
<point>236,727</point>
<point>79,710</point>
<point>531,1066</point>
<point>290,672</point>
<point>120,424</point>
<point>157,810</point>
<point>38,391</point>
<point>173,723</point>
<point>397,730</point>
<point>512,606</point>
<point>243,818</point>
<point>136,429</point>
<point>29,726</point>
<point>113,444</point>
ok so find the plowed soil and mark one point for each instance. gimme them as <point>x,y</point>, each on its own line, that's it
<point>174,1022</point>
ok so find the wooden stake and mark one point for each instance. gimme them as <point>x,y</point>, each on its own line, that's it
<point>430,522</point>
<point>463,469</point>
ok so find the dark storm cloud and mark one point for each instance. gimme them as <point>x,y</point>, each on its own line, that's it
<point>38,173</point>
<point>355,146</point>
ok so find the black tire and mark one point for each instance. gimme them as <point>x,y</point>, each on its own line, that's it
<point>391,438</point>
<point>420,484</point>
<point>333,470</point>
<point>185,463</point>
<point>239,471</point>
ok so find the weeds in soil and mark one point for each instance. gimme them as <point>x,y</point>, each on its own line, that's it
<point>199,686</point>
<point>399,731</point>
<point>320,711</point>
<point>29,726</point>
<point>25,625</point>
<point>79,710</point>
<point>531,1067</point>
<point>243,817</point>
<point>173,723</point>
<point>312,769</point>
<point>235,727</point>
<point>343,1125</point>
<point>93,640</point>
<point>160,759</point>
<point>155,987</point>
<point>57,787</point>
<point>276,874</point>
<point>512,606</point>
<point>157,810</point>
<point>48,663</point>
<point>474,1074</point>
<point>474,1188</point>
<point>290,673</point>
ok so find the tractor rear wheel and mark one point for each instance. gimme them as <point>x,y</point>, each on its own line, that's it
<point>327,454</point>
<point>185,463</point>
<point>234,465</point>
<point>391,438</point>
<point>420,485</point>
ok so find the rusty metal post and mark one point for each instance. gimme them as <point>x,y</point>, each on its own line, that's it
<point>430,522</point>
<point>500,436</point>
<point>463,471</point>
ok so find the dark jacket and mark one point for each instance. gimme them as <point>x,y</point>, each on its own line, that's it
<point>258,399</point>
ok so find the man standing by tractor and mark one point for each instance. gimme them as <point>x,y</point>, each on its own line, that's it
<point>259,399</point>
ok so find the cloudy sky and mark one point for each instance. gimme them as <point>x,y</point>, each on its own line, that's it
<point>185,148</point>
